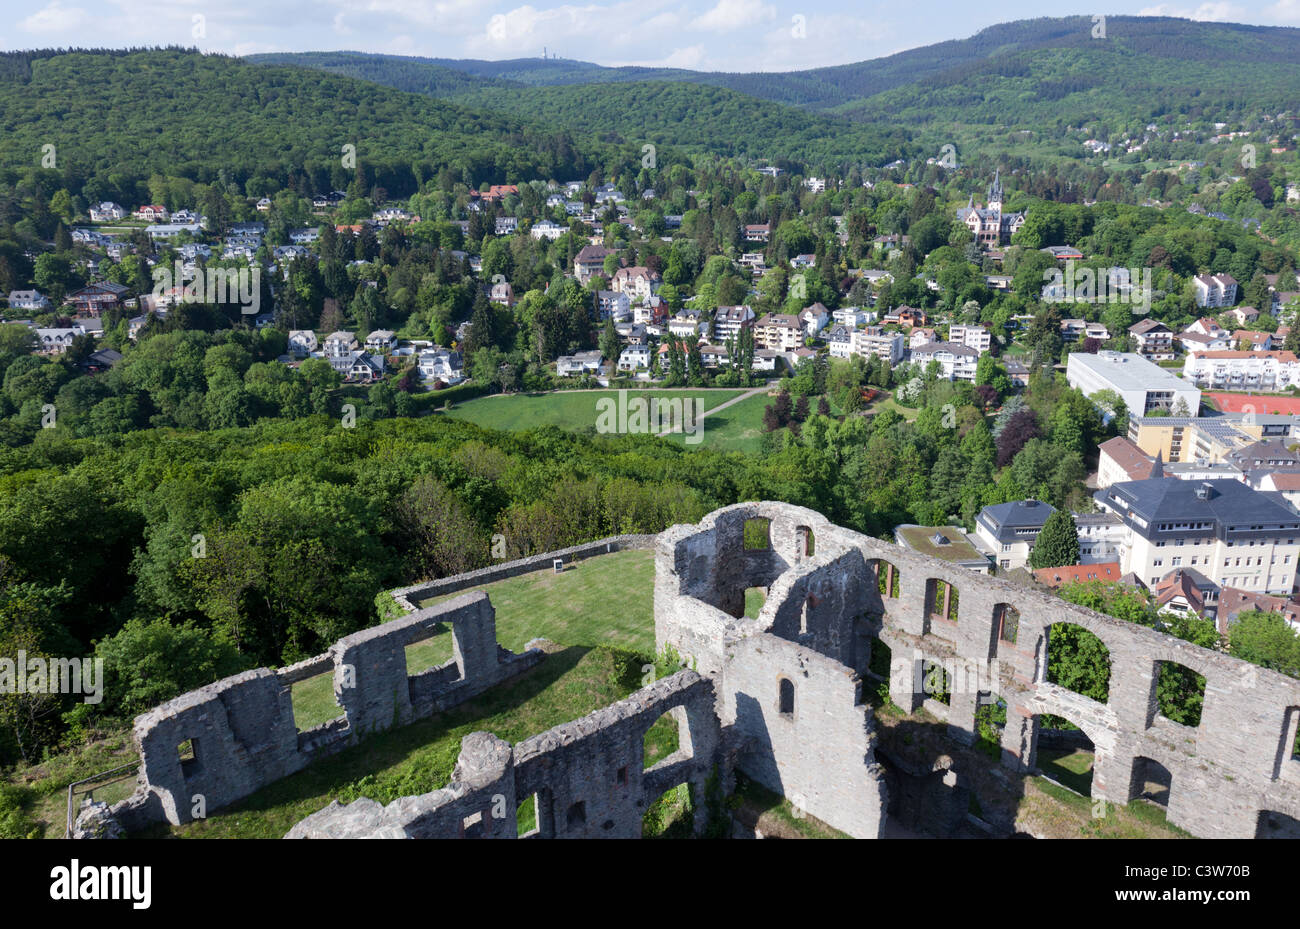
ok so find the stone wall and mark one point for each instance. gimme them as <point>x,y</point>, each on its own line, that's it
<point>241,732</point>
<point>1233,770</point>
<point>586,776</point>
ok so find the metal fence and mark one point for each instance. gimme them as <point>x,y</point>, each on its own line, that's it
<point>112,785</point>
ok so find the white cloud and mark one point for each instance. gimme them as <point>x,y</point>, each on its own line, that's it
<point>732,15</point>
<point>1286,11</point>
<point>1206,12</point>
<point>53,18</point>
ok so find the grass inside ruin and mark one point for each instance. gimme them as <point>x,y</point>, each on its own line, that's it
<point>575,607</point>
<point>418,758</point>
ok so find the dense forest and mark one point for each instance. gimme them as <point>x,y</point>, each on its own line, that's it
<point>207,117</point>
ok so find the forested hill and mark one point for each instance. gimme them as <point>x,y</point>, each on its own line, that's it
<point>183,113</point>
<point>1020,71</point>
<point>699,118</point>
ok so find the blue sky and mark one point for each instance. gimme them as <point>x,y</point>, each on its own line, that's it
<point>723,35</point>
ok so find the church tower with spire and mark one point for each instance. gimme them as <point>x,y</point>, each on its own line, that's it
<point>995,193</point>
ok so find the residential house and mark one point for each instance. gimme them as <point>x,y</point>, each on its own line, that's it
<point>547,229</point>
<point>590,261</point>
<point>1055,578</point>
<point>106,212</point>
<point>28,300</point>
<point>1009,530</point>
<point>778,331</point>
<point>921,336</point>
<point>1216,290</point>
<point>1233,370</point>
<point>839,340</point>
<point>637,282</point>
<point>634,357</point>
<point>687,323</point>
<point>361,366</point>
<point>501,292</point>
<point>956,362</point>
<point>302,342</point>
<point>506,225</point>
<point>610,304</point>
<point>56,341</point>
<point>152,213</point>
<point>1234,601</point>
<point>578,364</point>
<point>758,232</point>
<point>729,320</point>
<point>381,342</point>
<point>339,344</point>
<point>854,316</point>
<point>1155,340</point>
<point>1249,340</point>
<point>814,318</point>
<point>1120,459</point>
<point>878,342</point>
<point>95,298</point>
<point>441,364</point>
<point>976,337</point>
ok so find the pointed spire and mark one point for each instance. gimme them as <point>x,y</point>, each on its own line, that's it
<point>1158,468</point>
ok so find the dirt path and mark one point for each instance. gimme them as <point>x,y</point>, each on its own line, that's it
<point>721,406</point>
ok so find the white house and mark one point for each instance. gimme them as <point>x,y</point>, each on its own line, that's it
<point>1215,290</point>
<point>814,318</point>
<point>381,341</point>
<point>547,229</point>
<point>957,362</point>
<point>106,212</point>
<point>28,300</point>
<point>581,363</point>
<point>1232,370</point>
<point>302,342</point>
<point>440,364</point>
<point>634,356</point>
<point>874,341</point>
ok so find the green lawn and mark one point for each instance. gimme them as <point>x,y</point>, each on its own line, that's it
<point>738,428</point>
<point>574,410</point>
<point>1071,767</point>
<point>586,605</point>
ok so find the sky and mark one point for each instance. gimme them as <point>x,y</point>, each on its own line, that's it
<point>705,35</point>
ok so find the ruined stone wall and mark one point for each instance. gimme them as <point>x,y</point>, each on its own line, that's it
<point>1227,772</point>
<point>242,732</point>
<point>817,748</point>
<point>586,776</point>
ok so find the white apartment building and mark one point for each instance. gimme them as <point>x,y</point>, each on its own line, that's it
<point>976,337</point>
<point>1232,370</point>
<point>957,362</point>
<point>1234,535</point>
<point>874,341</point>
<point>778,331</point>
<point>1215,290</point>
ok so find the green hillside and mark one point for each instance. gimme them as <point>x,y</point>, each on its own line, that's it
<point>183,113</point>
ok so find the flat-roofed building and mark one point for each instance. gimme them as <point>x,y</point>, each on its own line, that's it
<point>1143,386</point>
